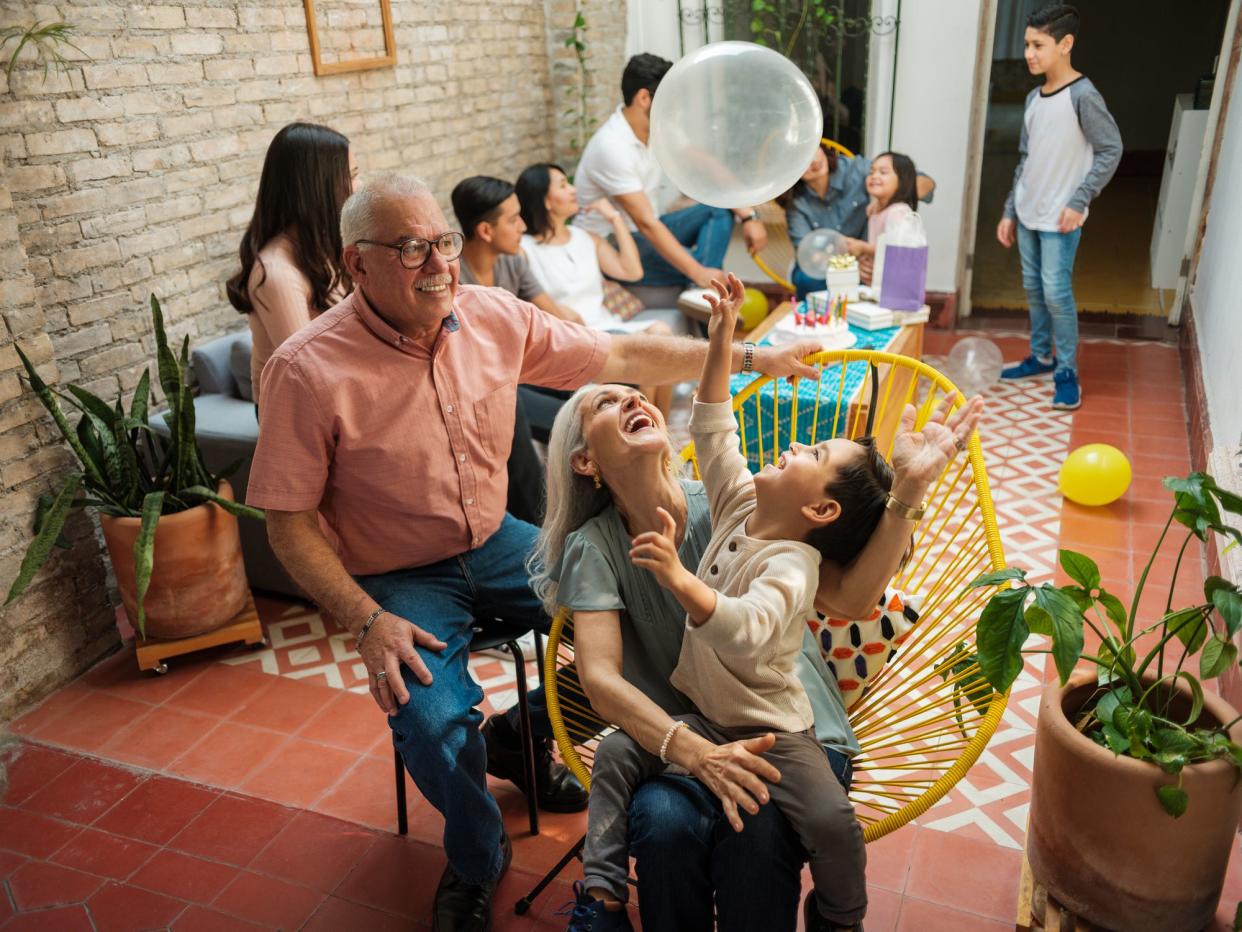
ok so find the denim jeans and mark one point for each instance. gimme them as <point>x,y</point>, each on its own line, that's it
<point>437,731</point>
<point>704,230</point>
<point>1048,277</point>
<point>804,284</point>
<point>691,865</point>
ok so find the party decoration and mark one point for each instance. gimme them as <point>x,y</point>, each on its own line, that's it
<point>1095,474</point>
<point>974,365</point>
<point>734,124</point>
<point>817,250</point>
<point>754,309</point>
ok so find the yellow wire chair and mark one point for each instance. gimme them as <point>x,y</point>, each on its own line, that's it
<point>926,716</point>
<point>779,252</point>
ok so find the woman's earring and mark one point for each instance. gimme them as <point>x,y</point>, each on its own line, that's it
<point>595,478</point>
<point>668,466</point>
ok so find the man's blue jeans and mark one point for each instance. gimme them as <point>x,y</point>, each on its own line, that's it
<point>804,284</point>
<point>437,731</point>
<point>703,230</point>
<point>696,874</point>
<point>1048,277</point>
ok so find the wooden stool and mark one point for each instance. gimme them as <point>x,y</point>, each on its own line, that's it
<point>245,626</point>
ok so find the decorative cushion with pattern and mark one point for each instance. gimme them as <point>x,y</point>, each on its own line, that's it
<point>856,650</point>
<point>618,301</point>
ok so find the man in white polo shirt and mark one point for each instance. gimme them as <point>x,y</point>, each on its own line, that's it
<point>685,247</point>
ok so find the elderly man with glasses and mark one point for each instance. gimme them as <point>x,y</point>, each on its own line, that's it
<point>381,463</point>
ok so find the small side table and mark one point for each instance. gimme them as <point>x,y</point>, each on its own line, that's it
<point>245,626</point>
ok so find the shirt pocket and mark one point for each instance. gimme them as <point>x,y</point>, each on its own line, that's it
<point>494,416</point>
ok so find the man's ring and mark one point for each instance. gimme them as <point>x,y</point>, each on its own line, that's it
<point>959,443</point>
<point>380,676</point>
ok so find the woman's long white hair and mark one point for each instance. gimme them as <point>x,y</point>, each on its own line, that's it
<point>572,499</point>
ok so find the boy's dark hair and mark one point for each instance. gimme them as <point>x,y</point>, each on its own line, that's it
<point>1057,19</point>
<point>477,200</point>
<point>861,489</point>
<point>784,200</point>
<point>304,184</point>
<point>642,72</point>
<point>532,187</point>
<point>907,179</point>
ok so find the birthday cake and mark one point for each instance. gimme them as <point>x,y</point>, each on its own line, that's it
<point>825,324</point>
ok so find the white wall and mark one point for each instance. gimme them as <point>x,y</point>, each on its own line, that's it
<point>931,119</point>
<point>1218,284</point>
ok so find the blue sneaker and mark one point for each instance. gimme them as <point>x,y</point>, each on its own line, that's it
<point>587,914</point>
<point>1029,368</point>
<point>1068,395</point>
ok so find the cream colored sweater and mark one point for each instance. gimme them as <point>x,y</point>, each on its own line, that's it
<point>738,666</point>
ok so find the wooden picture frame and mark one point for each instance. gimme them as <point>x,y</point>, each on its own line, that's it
<point>386,60</point>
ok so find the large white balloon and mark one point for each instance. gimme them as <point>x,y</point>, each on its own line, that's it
<point>816,248</point>
<point>974,364</point>
<point>734,124</point>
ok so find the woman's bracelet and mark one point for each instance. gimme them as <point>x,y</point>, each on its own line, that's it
<point>668,736</point>
<point>909,512</point>
<point>366,626</point>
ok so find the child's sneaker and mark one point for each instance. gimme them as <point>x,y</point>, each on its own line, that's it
<point>1030,368</point>
<point>1068,395</point>
<point>587,914</point>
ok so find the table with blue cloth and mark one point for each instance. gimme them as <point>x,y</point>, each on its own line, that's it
<point>820,416</point>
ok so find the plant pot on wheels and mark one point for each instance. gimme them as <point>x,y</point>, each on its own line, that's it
<point>198,582</point>
<point>1099,840</point>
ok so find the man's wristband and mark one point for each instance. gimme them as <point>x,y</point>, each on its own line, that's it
<point>753,215</point>
<point>366,626</point>
<point>748,357</point>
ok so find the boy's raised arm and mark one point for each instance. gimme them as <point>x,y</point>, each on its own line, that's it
<point>718,363</point>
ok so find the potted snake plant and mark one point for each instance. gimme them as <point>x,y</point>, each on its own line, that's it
<point>1135,791</point>
<point>170,524</point>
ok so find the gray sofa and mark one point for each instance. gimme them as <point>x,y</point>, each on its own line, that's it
<point>227,431</point>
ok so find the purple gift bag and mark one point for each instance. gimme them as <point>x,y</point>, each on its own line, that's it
<point>904,278</point>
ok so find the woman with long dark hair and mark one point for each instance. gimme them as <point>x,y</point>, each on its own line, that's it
<point>291,268</point>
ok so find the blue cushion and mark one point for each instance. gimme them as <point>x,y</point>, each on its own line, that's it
<point>210,364</point>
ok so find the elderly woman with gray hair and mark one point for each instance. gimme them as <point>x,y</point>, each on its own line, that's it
<point>610,467</point>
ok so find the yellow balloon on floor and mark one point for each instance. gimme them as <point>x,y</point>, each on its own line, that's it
<point>754,309</point>
<point>1095,474</point>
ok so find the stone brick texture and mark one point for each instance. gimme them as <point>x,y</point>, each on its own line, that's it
<point>133,172</point>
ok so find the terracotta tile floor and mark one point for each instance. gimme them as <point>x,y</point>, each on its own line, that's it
<point>219,796</point>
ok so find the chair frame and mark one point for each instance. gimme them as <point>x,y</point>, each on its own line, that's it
<point>914,799</point>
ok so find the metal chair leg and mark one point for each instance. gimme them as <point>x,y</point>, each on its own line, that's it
<point>525,903</point>
<point>403,824</point>
<point>528,737</point>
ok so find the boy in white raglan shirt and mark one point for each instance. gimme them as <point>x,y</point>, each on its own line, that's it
<point>1070,148</point>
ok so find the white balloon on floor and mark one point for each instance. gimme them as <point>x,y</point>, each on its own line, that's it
<point>734,124</point>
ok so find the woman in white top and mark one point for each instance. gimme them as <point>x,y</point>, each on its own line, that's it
<point>571,263</point>
<point>291,267</point>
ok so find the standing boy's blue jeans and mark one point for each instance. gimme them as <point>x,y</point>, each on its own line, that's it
<point>703,230</point>
<point>1048,277</point>
<point>437,731</point>
<point>694,871</point>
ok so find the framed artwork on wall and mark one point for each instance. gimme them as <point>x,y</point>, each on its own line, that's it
<point>350,35</point>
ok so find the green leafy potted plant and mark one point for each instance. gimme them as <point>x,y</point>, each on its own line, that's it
<point>170,525</point>
<point>1135,793</point>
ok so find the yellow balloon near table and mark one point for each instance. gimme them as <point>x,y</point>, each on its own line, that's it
<point>754,309</point>
<point>1095,474</point>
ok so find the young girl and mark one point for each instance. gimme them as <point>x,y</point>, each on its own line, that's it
<point>571,263</point>
<point>892,185</point>
<point>747,609</point>
<point>291,266</point>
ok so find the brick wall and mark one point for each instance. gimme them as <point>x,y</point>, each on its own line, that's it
<point>134,172</point>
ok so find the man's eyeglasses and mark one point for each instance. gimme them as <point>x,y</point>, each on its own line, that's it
<point>415,252</point>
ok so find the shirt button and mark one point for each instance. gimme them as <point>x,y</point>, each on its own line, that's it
<point>732,546</point>
<point>462,457</point>
<point>449,409</point>
<point>713,569</point>
<point>470,501</point>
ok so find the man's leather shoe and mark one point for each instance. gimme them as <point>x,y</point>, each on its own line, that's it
<point>557,789</point>
<point>464,907</point>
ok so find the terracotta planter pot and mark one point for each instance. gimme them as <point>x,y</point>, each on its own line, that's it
<point>198,582</point>
<point>1099,840</point>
